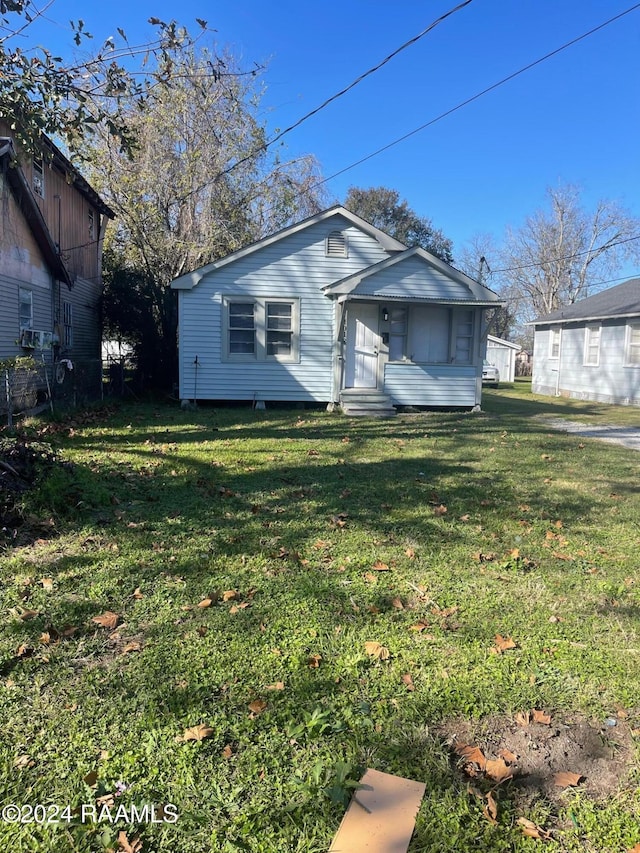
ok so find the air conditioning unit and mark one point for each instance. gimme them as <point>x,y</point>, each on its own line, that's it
<point>35,339</point>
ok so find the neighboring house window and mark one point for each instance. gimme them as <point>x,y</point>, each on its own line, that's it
<point>337,246</point>
<point>25,309</point>
<point>38,176</point>
<point>632,355</point>
<point>67,324</point>
<point>463,336</point>
<point>554,342</point>
<point>262,330</point>
<point>592,346</point>
<point>397,334</point>
<point>92,224</point>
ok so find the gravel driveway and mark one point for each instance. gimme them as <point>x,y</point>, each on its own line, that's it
<point>627,436</point>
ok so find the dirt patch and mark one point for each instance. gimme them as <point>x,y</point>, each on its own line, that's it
<point>598,752</point>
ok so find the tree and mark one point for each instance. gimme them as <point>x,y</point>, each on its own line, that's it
<point>197,185</point>
<point>565,253</point>
<point>383,208</point>
<point>67,100</point>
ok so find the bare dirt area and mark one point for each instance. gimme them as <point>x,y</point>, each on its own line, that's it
<point>538,755</point>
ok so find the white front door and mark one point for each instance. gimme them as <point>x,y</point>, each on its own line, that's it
<point>363,342</point>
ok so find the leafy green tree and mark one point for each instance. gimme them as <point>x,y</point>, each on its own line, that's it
<point>383,208</point>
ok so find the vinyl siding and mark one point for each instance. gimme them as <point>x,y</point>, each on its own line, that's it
<point>412,279</point>
<point>611,381</point>
<point>294,267</point>
<point>84,296</point>
<point>431,385</point>
<point>9,318</point>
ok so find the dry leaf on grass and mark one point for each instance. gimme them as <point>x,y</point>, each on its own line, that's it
<point>227,752</point>
<point>471,754</point>
<point>408,682</point>
<point>277,685</point>
<point>541,717</point>
<point>313,661</point>
<point>503,644</point>
<point>126,846</point>
<point>206,602</point>
<point>566,779</point>
<point>419,626</point>
<point>497,770</point>
<point>440,510</point>
<point>379,566</point>
<point>377,650</point>
<point>47,583</point>
<point>108,619</point>
<point>133,646</point>
<point>490,811</point>
<point>257,706</point>
<point>199,732</point>
<point>531,830</point>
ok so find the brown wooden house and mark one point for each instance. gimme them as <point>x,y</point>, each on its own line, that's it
<point>51,236</point>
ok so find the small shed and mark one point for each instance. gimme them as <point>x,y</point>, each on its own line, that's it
<point>503,354</point>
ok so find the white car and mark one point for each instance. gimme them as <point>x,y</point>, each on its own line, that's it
<point>490,373</point>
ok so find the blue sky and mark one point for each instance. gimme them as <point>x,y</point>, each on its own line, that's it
<point>573,118</point>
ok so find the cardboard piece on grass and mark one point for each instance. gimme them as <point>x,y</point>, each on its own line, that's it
<point>381,815</point>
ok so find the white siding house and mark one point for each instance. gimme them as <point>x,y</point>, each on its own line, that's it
<point>331,309</point>
<point>591,350</point>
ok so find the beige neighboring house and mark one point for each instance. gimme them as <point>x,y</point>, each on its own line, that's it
<point>53,226</point>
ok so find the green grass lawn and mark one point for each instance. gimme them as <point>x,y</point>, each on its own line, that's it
<point>247,558</point>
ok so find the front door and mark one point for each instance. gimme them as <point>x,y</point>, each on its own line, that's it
<point>363,342</point>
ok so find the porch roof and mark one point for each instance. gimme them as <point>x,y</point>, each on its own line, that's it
<point>432,280</point>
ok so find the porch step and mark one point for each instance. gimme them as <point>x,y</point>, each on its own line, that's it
<point>365,403</point>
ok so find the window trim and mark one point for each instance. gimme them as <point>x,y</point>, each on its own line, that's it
<point>67,323</point>
<point>260,309</point>
<point>21,292</point>
<point>554,338</point>
<point>37,178</point>
<point>628,345</point>
<point>588,344</point>
<point>458,320</point>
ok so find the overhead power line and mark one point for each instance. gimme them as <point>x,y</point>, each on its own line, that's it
<point>260,148</point>
<point>477,95</point>
<point>568,257</point>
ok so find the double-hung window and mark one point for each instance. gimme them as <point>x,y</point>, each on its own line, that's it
<point>67,323</point>
<point>632,353</point>
<point>463,336</point>
<point>554,342</point>
<point>592,346</point>
<point>25,309</point>
<point>261,329</point>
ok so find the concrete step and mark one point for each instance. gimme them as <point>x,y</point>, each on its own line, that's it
<point>364,403</point>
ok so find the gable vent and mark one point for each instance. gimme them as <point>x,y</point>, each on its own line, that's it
<point>337,244</point>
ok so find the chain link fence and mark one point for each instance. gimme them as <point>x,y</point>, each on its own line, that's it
<point>30,386</point>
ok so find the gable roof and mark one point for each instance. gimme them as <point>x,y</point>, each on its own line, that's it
<point>502,343</point>
<point>474,293</point>
<point>31,212</point>
<point>623,300</point>
<point>191,279</point>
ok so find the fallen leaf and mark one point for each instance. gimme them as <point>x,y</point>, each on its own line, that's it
<point>47,583</point>
<point>199,732</point>
<point>523,718</point>
<point>379,566</point>
<point>227,752</point>
<point>509,757</point>
<point>377,650</point>
<point>108,619</point>
<point>541,717</point>
<point>126,846</point>
<point>472,754</point>
<point>230,595</point>
<point>440,510</point>
<point>277,685</point>
<point>397,604</point>
<point>503,644</point>
<point>137,593</point>
<point>490,811</point>
<point>257,706</point>
<point>133,646</point>
<point>566,779</point>
<point>497,770</point>
<point>313,661</point>
<point>465,517</point>
<point>419,626</point>
<point>408,682</point>
<point>410,553</point>
<point>531,830</point>
<point>206,602</point>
